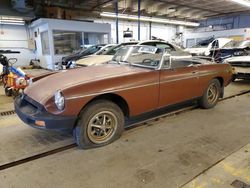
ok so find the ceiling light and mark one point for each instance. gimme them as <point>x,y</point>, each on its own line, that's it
<point>149,19</point>
<point>11,22</point>
<point>170,10</point>
<point>107,5</point>
<point>242,2</point>
<point>11,18</point>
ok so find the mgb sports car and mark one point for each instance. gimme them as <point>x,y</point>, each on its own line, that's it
<point>94,101</point>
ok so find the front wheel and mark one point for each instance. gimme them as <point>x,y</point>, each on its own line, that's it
<point>211,95</point>
<point>99,124</point>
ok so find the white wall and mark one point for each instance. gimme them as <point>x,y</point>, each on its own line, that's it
<point>15,37</point>
<point>163,31</point>
<point>243,34</point>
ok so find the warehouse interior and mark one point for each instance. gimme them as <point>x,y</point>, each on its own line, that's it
<point>125,93</point>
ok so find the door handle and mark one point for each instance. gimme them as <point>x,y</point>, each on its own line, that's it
<point>194,72</point>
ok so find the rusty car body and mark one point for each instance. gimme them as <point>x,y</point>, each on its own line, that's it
<point>93,101</point>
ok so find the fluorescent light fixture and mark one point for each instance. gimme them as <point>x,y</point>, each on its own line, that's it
<point>10,20</point>
<point>242,2</point>
<point>170,10</point>
<point>149,19</point>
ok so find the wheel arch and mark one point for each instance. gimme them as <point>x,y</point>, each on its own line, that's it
<point>115,98</point>
<point>221,80</point>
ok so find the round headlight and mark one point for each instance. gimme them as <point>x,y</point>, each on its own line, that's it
<point>21,81</point>
<point>59,100</point>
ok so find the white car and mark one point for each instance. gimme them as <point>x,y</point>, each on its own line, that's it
<point>204,47</point>
<point>102,57</point>
<point>107,56</point>
<point>241,65</point>
<point>105,49</point>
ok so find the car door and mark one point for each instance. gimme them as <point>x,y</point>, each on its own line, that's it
<point>179,81</point>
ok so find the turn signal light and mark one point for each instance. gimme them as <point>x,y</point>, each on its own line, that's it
<point>40,123</point>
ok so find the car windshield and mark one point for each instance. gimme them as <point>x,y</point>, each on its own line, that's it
<point>140,56</point>
<point>113,50</point>
<point>92,49</point>
<point>237,44</point>
<point>105,49</point>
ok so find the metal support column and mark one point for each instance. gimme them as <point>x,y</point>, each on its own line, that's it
<point>117,22</point>
<point>139,21</point>
<point>150,30</point>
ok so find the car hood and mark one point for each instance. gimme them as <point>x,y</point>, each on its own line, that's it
<point>245,59</point>
<point>195,50</point>
<point>234,48</point>
<point>94,59</point>
<point>44,89</point>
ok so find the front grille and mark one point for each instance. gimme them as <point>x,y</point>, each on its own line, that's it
<point>240,64</point>
<point>29,106</point>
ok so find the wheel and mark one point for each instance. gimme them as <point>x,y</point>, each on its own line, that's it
<point>8,91</point>
<point>211,95</point>
<point>99,124</point>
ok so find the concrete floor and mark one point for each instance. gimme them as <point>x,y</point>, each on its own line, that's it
<point>177,151</point>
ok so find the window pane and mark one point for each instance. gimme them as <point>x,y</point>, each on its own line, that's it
<point>67,42</point>
<point>45,43</point>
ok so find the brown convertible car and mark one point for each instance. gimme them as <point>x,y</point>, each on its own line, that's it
<point>94,100</point>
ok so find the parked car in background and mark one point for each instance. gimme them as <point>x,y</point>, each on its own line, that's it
<point>241,65</point>
<point>233,48</point>
<point>102,57</point>
<point>1,70</point>
<point>204,47</point>
<point>66,61</point>
<point>94,100</point>
<point>105,49</point>
<point>107,56</point>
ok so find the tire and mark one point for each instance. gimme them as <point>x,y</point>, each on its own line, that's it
<point>211,95</point>
<point>92,130</point>
<point>8,91</point>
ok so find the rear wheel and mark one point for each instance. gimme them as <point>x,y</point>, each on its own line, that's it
<point>99,124</point>
<point>211,95</point>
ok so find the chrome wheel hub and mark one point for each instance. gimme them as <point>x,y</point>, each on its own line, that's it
<point>212,93</point>
<point>102,127</point>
